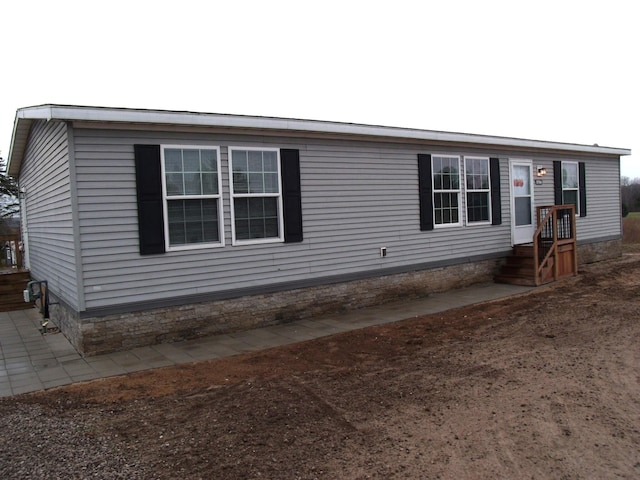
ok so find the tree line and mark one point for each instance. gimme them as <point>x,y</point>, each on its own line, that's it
<point>9,205</point>
<point>630,195</point>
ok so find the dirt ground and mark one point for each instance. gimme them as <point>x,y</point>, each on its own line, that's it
<point>545,385</point>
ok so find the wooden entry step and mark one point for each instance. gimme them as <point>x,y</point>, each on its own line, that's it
<point>519,268</point>
<point>12,284</point>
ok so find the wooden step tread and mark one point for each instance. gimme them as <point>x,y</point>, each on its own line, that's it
<point>11,307</point>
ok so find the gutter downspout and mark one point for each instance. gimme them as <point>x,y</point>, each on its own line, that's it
<point>24,228</point>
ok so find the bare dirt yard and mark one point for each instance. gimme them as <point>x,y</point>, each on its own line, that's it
<point>545,385</point>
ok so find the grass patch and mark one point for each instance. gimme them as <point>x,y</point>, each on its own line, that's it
<point>631,232</point>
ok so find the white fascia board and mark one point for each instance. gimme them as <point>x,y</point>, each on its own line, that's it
<point>161,117</point>
<point>17,146</point>
<point>41,112</point>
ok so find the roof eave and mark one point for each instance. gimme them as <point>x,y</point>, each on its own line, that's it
<point>25,116</point>
<point>19,138</point>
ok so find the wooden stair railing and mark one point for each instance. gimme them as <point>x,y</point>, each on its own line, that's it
<point>555,253</point>
<point>10,253</point>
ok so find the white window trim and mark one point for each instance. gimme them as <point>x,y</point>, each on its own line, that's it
<point>166,198</point>
<point>458,191</point>
<point>577,190</point>
<point>233,195</point>
<point>488,191</point>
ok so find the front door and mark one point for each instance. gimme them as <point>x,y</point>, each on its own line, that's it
<point>522,216</point>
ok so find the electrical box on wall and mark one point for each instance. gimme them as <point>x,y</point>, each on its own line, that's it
<point>383,252</point>
<point>32,293</point>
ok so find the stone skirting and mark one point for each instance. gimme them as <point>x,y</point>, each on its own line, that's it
<point>109,333</point>
<point>597,251</point>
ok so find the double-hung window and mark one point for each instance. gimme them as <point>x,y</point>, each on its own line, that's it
<point>193,202</point>
<point>446,190</point>
<point>570,184</point>
<point>256,198</point>
<point>478,189</point>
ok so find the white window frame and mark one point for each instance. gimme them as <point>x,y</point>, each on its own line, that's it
<point>576,189</point>
<point>457,191</point>
<point>233,195</point>
<point>166,198</point>
<point>474,190</point>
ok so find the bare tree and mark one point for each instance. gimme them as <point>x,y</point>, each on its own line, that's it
<point>630,192</point>
<point>9,205</point>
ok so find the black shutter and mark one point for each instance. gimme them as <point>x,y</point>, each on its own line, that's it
<point>557,182</point>
<point>583,189</point>
<point>291,194</point>
<point>496,204</point>
<point>150,203</point>
<point>425,192</point>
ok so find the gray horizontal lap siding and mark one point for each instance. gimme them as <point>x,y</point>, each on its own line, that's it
<point>543,194</point>
<point>45,176</point>
<point>356,198</point>
<point>603,201</point>
<point>603,220</point>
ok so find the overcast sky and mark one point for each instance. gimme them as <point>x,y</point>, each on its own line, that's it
<point>557,70</point>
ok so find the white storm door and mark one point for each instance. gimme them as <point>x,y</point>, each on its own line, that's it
<point>522,207</point>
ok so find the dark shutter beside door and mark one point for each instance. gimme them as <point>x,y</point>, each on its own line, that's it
<point>557,182</point>
<point>425,192</point>
<point>291,194</point>
<point>150,204</point>
<point>583,189</point>
<point>496,202</point>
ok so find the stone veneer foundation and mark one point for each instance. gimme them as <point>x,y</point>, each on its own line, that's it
<point>109,333</point>
<point>595,252</point>
<point>97,335</point>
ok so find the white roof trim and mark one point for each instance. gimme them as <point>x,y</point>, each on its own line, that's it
<point>161,117</point>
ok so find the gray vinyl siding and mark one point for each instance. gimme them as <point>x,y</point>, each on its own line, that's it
<point>603,201</point>
<point>603,220</point>
<point>544,194</point>
<point>45,175</point>
<point>356,197</point>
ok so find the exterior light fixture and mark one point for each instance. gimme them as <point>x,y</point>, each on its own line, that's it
<point>541,171</point>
